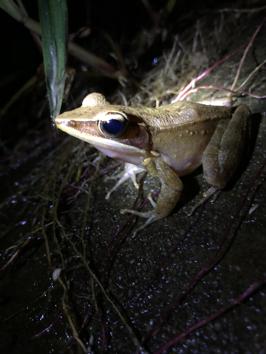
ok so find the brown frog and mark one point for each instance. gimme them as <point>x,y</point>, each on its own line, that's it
<point>169,141</point>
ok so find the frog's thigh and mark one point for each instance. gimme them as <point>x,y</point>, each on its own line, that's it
<point>171,186</point>
<point>225,149</point>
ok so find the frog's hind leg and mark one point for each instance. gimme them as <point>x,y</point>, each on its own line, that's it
<point>225,150</point>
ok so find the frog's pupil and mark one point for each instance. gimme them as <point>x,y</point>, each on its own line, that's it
<point>113,127</point>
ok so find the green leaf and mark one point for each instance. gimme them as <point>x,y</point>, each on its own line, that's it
<point>53,19</point>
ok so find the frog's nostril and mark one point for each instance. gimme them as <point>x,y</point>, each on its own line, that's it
<point>72,123</point>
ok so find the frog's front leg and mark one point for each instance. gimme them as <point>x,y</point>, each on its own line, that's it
<point>171,189</point>
<point>130,171</point>
<point>225,150</point>
<point>171,186</point>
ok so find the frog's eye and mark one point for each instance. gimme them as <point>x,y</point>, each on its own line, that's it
<point>114,125</point>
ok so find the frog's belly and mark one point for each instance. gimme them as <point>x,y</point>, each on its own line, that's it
<point>185,155</point>
<point>185,165</point>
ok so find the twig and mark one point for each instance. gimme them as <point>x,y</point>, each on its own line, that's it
<point>236,93</point>
<point>250,43</point>
<point>255,9</point>
<point>191,86</point>
<point>236,302</point>
<point>22,246</point>
<point>68,316</point>
<point>253,72</point>
<point>205,73</point>
<point>46,242</point>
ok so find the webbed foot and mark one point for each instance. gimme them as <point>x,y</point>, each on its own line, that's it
<point>206,196</point>
<point>151,216</point>
<point>130,172</point>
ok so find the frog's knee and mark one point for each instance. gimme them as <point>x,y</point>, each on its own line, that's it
<point>216,179</point>
<point>242,110</point>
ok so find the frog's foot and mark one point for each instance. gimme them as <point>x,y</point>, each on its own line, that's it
<point>151,216</point>
<point>206,196</point>
<point>130,172</point>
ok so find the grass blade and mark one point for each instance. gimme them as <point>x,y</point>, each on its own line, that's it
<point>53,19</point>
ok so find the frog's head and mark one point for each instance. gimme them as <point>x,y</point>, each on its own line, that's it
<point>107,127</point>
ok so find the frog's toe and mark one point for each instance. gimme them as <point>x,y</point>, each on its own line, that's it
<point>130,172</point>
<point>151,216</point>
<point>212,191</point>
<point>142,214</point>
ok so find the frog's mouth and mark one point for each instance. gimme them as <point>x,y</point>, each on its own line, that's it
<point>110,147</point>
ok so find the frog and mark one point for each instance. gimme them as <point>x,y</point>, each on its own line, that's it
<point>168,142</point>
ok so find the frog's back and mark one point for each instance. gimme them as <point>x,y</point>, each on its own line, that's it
<point>186,113</point>
<point>178,114</point>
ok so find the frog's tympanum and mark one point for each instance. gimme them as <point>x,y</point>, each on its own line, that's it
<point>168,142</point>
